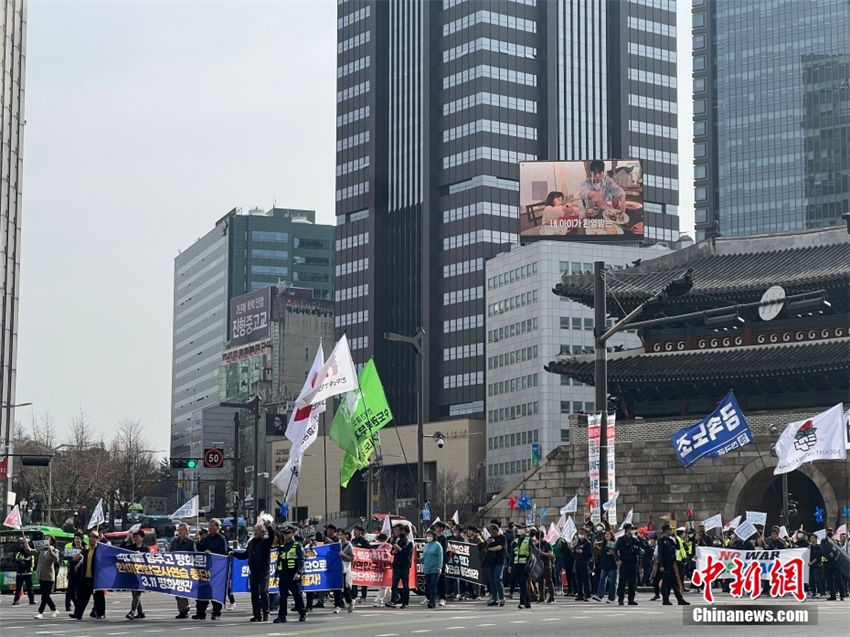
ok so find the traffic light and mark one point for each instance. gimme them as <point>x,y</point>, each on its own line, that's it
<point>35,461</point>
<point>183,463</point>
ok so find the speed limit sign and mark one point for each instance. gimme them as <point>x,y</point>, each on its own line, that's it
<point>213,458</point>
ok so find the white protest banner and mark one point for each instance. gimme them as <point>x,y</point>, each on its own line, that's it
<point>571,506</point>
<point>821,534</point>
<point>763,557</point>
<point>732,524</point>
<point>569,530</point>
<point>337,376</point>
<point>783,532</point>
<point>594,422</point>
<point>187,510</point>
<point>757,517</point>
<point>562,521</point>
<point>746,530</point>
<point>715,521</point>
<point>97,517</point>
<point>821,437</point>
<point>303,425</point>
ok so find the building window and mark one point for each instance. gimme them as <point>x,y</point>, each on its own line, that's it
<point>701,193</point>
<point>699,41</point>
<point>699,150</point>
<point>699,63</point>
<point>565,435</point>
<point>700,171</point>
<point>699,128</point>
<point>565,380</point>
<point>699,20</point>
<point>565,406</point>
<point>699,107</point>
<point>699,84</point>
<point>701,215</point>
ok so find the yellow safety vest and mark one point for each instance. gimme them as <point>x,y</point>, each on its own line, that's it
<point>522,551</point>
<point>289,557</point>
<point>681,553</point>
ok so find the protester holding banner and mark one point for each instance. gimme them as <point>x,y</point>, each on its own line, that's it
<point>382,598</point>
<point>290,565</point>
<point>47,559</point>
<point>402,552</point>
<point>182,544</point>
<point>214,542</point>
<point>73,554</point>
<point>86,586</point>
<point>258,553</point>
<point>138,546</point>
<point>360,542</point>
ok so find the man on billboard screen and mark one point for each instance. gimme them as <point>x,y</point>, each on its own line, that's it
<point>582,199</point>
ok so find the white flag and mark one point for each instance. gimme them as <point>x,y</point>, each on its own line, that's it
<point>732,524</point>
<point>287,478</point>
<point>820,437</point>
<point>387,526</point>
<point>485,534</point>
<point>552,535</point>
<point>746,530</point>
<point>572,505</point>
<point>187,510</point>
<point>562,521</point>
<point>628,518</point>
<point>611,502</point>
<point>821,534</point>
<point>303,425</point>
<point>97,517</point>
<point>569,530</point>
<point>715,521</point>
<point>783,532</point>
<point>619,534</point>
<point>337,376</point>
<point>757,517</point>
<point>455,518</point>
<point>13,520</point>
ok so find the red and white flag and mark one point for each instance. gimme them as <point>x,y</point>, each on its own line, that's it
<point>821,437</point>
<point>303,425</point>
<point>337,376</point>
<point>732,524</point>
<point>13,520</point>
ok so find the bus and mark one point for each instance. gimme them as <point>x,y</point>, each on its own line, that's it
<point>163,525</point>
<point>36,536</point>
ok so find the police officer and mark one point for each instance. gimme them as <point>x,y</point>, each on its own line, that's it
<point>290,565</point>
<point>667,552</point>
<point>627,551</point>
<point>520,574</point>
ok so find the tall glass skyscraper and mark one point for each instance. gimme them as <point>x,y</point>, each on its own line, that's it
<point>437,103</point>
<point>771,115</point>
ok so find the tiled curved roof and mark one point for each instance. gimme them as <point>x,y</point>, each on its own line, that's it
<point>744,266</point>
<point>761,361</point>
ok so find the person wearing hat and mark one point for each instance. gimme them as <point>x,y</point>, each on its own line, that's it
<point>627,551</point>
<point>667,567</point>
<point>290,565</point>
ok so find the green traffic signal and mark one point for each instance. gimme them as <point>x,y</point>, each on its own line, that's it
<point>191,464</point>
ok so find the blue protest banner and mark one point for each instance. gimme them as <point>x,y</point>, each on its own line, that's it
<point>723,430</point>
<point>322,568</point>
<point>193,575</point>
<point>322,571</point>
<point>239,575</point>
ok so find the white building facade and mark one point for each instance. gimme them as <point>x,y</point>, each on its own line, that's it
<point>527,325</point>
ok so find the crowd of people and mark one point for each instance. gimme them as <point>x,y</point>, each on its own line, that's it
<point>518,563</point>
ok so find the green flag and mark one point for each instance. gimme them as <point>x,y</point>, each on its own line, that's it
<point>361,414</point>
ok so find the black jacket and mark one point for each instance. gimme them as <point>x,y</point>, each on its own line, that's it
<point>182,544</point>
<point>667,548</point>
<point>627,550</point>
<point>258,554</point>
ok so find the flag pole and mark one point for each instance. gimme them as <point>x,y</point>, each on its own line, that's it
<point>325,458</point>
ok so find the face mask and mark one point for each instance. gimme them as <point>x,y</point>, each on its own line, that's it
<point>521,533</point>
<point>429,539</point>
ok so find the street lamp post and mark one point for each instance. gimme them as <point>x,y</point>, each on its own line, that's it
<point>7,441</point>
<point>418,342</point>
<point>253,405</point>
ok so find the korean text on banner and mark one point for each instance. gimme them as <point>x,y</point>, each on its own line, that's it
<point>373,567</point>
<point>196,575</point>
<point>361,415</point>
<point>722,431</point>
<point>593,432</point>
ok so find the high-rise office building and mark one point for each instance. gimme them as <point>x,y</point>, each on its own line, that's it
<point>13,25</point>
<point>771,115</point>
<point>243,252</point>
<point>437,103</point>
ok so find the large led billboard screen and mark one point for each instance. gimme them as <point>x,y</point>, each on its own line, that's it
<point>585,200</point>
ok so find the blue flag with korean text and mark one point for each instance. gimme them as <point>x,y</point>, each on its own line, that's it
<point>195,575</point>
<point>723,430</point>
